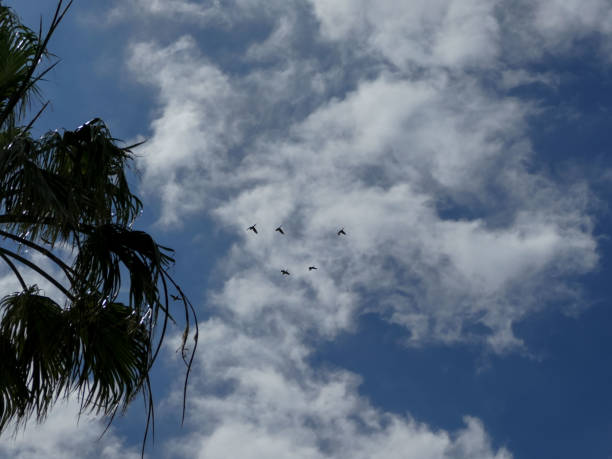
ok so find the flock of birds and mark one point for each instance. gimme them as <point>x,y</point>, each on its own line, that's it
<point>284,272</point>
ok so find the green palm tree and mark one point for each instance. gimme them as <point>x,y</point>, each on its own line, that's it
<point>67,192</point>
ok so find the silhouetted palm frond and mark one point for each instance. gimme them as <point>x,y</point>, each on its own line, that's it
<point>70,188</point>
<point>33,350</point>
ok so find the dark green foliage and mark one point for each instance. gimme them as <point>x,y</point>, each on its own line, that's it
<point>110,344</point>
<point>19,49</point>
<point>32,333</point>
<point>69,190</point>
<point>77,179</point>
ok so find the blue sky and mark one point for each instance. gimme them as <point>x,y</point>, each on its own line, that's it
<point>463,145</point>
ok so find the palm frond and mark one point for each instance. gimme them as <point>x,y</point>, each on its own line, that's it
<point>74,180</point>
<point>33,332</point>
<point>107,248</point>
<point>19,47</point>
<point>29,49</point>
<point>111,346</point>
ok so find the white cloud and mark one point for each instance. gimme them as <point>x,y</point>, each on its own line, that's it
<point>532,30</point>
<point>562,22</point>
<point>399,440</point>
<point>466,34</point>
<point>198,108</point>
<point>178,9</point>
<point>64,436</point>
<point>378,161</point>
<point>452,33</point>
<point>273,404</point>
<point>217,13</point>
<point>446,33</point>
<point>515,78</point>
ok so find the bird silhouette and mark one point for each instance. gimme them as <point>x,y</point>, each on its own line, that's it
<point>341,231</point>
<point>280,230</point>
<point>310,268</point>
<point>175,297</point>
<point>252,228</point>
<point>284,272</point>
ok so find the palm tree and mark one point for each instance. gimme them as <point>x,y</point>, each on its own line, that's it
<point>68,192</point>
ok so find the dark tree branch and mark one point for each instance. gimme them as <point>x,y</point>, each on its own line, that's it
<point>67,269</point>
<point>42,47</point>
<point>188,307</point>
<point>33,120</point>
<point>40,271</point>
<point>15,270</point>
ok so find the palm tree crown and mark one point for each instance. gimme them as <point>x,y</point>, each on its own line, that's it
<point>69,190</point>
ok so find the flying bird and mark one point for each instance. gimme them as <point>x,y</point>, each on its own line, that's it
<point>310,268</point>
<point>252,228</point>
<point>284,272</point>
<point>175,297</point>
<point>280,230</point>
<point>341,231</point>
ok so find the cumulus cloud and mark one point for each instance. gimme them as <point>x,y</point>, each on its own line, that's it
<point>400,141</point>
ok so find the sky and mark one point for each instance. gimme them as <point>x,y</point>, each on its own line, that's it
<point>463,145</point>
